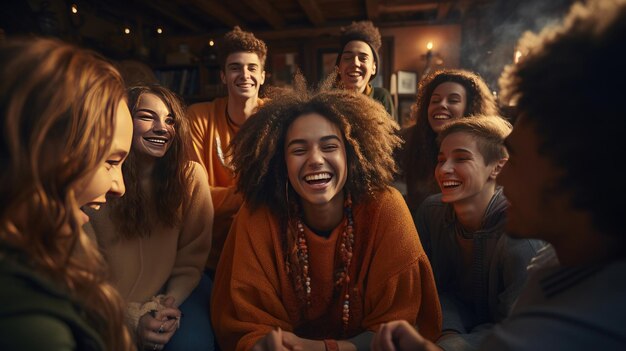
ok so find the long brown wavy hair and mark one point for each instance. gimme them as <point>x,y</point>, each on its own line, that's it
<point>134,213</point>
<point>58,105</point>
<point>419,156</point>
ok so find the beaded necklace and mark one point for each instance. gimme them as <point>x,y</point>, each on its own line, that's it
<point>342,275</point>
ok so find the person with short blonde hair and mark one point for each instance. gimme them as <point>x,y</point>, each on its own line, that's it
<point>479,270</point>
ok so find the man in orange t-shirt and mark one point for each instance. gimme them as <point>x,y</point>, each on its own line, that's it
<point>214,124</point>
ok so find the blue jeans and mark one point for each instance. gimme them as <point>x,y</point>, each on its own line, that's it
<point>195,332</point>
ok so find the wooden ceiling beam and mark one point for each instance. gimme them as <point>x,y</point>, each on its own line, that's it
<point>443,10</point>
<point>372,9</point>
<point>299,33</point>
<point>218,12</point>
<point>408,8</point>
<point>313,12</point>
<point>267,12</point>
<point>170,13</point>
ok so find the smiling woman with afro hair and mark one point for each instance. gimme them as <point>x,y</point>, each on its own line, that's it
<point>323,250</point>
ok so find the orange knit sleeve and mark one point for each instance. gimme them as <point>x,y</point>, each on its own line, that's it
<point>401,284</point>
<point>245,304</point>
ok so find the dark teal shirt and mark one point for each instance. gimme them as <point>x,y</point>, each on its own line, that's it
<point>37,314</point>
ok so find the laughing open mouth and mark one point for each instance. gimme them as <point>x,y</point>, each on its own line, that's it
<point>450,184</point>
<point>157,141</point>
<point>318,178</point>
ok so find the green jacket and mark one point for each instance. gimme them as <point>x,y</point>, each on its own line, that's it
<point>384,97</point>
<point>36,313</point>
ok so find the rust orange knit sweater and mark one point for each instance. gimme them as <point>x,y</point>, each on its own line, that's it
<point>391,278</point>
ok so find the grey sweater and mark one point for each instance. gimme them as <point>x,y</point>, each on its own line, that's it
<point>498,270</point>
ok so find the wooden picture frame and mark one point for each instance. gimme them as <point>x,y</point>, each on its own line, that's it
<point>407,82</point>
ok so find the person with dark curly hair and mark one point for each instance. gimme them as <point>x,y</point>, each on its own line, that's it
<point>214,124</point>
<point>568,91</point>
<point>358,62</point>
<point>66,131</point>
<point>323,248</point>
<point>442,96</point>
<point>156,239</point>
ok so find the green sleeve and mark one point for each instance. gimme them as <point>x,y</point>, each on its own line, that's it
<point>35,332</point>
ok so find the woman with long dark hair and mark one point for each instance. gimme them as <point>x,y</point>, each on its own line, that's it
<point>443,96</point>
<point>156,239</point>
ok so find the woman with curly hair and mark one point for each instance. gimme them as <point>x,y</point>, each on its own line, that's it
<point>443,96</point>
<point>323,248</point>
<point>66,130</point>
<point>156,239</point>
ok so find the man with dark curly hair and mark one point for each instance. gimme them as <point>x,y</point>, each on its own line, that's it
<point>323,248</point>
<point>569,91</point>
<point>214,124</point>
<point>358,62</point>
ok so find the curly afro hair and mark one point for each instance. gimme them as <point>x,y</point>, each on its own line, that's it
<point>257,151</point>
<point>238,40</point>
<point>570,88</point>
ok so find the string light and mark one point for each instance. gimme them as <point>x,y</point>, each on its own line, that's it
<point>211,42</point>
<point>126,30</point>
<point>74,9</point>
<point>159,30</point>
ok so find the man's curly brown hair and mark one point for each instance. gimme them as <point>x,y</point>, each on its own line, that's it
<point>258,157</point>
<point>238,40</point>
<point>419,156</point>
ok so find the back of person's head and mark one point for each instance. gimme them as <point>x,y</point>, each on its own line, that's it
<point>570,87</point>
<point>238,40</point>
<point>58,105</point>
<point>488,131</point>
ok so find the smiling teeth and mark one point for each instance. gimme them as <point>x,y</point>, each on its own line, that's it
<point>95,207</point>
<point>441,117</point>
<point>158,141</point>
<point>449,183</point>
<point>319,176</point>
